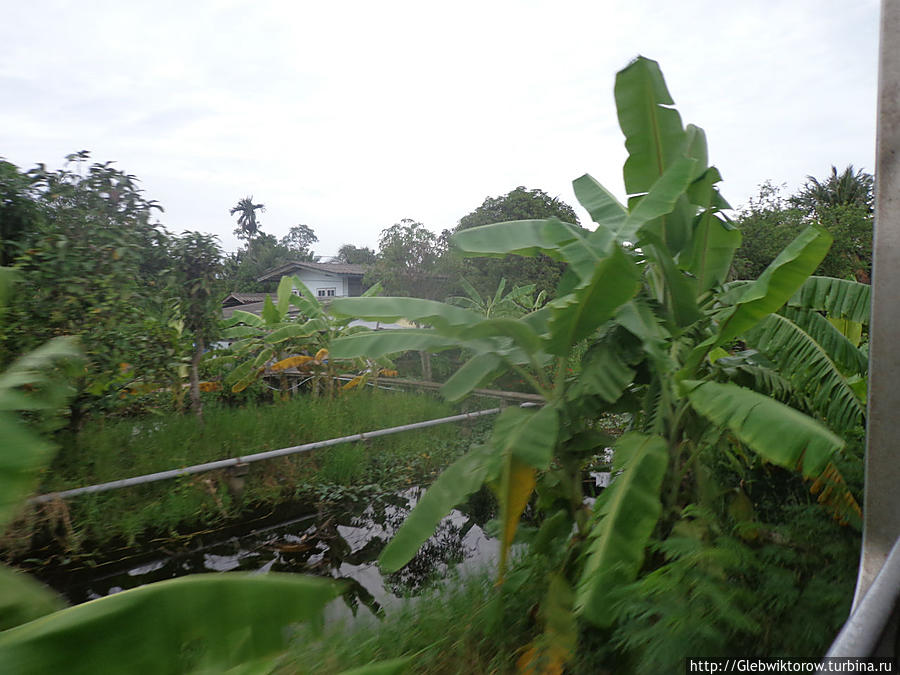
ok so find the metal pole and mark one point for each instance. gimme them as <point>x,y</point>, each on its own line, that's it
<point>881,526</point>
<point>861,634</point>
<point>270,454</point>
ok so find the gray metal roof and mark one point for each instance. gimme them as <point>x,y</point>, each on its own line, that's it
<point>331,268</point>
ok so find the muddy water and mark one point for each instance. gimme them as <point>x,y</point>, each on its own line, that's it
<point>341,543</point>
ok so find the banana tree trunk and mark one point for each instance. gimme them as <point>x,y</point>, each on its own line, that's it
<point>425,358</point>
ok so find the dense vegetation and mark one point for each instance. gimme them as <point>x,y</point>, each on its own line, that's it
<point>737,364</point>
<point>105,451</point>
<point>732,388</point>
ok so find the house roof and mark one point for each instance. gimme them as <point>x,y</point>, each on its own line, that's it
<point>342,269</point>
<point>234,299</point>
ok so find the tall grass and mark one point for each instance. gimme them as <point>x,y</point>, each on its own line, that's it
<point>464,625</point>
<point>113,449</point>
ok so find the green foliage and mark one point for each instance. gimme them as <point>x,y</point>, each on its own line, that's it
<point>248,226</point>
<point>770,221</point>
<point>520,300</point>
<point>93,265</point>
<point>206,622</point>
<point>297,332</point>
<point>299,241</point>
<point>643,306</point>
<point>412,261</point>
<point>106,450</point>
<point>624,518</point>
<point>848,188</point>
<point>354,255</point>
<point>519,204</point>
<point>19,212</point>
<point>461,479</point>
<point>30,386</point>
<point>260,255</point>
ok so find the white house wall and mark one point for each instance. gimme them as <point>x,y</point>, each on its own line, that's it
<point>321,280</point>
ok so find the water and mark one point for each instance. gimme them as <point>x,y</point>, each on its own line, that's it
<point>342,543</point>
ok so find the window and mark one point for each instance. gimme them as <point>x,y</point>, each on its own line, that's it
<point>325,292</point>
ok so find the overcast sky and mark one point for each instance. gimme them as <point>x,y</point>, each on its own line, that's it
<point>348,116</point>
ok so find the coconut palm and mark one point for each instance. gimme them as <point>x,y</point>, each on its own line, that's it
<point>248,225</point>
<point>846,188</point>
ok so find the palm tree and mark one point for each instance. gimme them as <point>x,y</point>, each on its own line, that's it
<point>248,226</point>
<point>846,188</point>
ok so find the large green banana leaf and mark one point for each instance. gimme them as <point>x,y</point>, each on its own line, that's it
<point>624,517</point>
<point>562,241</point>
<point>714,241</point>
<point>22,599</point>
<point>836,297</point>
<point>604,373</point>
<point>23,454</point>
<point>656,142</point>
<point>462,478</point>
<point>776,432</point>
<point>654,135</point>
<point>519,237</point>
<point>614,282</point>
<point>604,208</point>
<point>478,370</point>
<point>810,369</point>
<point>200,622</point>
<point>778,282</point>
<point>845,354</point>
<point>527,434</point>
<point>430,312</point>
<point>660,201</point>
<point>379,343</point>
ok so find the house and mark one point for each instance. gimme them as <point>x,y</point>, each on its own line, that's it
<point>324,280</point>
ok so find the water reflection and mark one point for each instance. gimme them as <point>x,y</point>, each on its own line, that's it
<point>342,543</point>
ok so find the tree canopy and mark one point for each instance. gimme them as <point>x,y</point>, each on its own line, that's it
<point>248,225</point>
<point>841,203</point>
<point>411,261</point>
<point>93,264</point>
<point>299,241</point>
<point>518,204</point>
<point>354,255</point>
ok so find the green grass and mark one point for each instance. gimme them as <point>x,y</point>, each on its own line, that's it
<point>109,450</point>
<point>464,625</point>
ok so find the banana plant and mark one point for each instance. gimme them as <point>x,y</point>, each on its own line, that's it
<point>647,290</point>
<point>279,338</point>
<point>206,623</point>
<point>520,300</point>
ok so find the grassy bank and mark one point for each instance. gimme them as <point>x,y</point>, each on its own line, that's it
<point>464,625</point>
<point>109,450</point>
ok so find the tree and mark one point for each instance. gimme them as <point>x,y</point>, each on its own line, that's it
<point>409,261</point>
<point>198,264</point>
<point>848,188</point>
<point>245,266</point>
<point>518,204</point>
<point>19,213</point>
<point>353,255</point>
<point>248,225</point>
<point>771,221</point>
<point>91,263</point>
<point>298,241</point>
